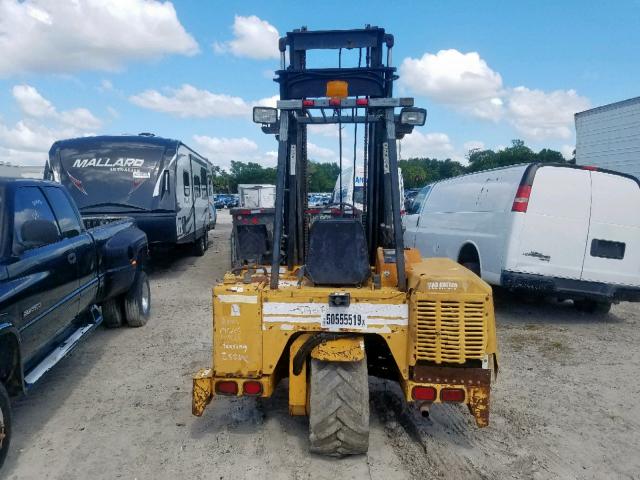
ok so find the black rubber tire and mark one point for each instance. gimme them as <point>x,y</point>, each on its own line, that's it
<point>593,306</point>
<point>339,410</point>
<point>112,315</point>
<point>5,424</point>
<point>232,248</point>
<point>206,240</point>
<point>198,247</point>
<point>137,301</point>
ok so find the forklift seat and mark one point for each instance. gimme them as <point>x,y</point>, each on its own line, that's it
<point>337,253</point>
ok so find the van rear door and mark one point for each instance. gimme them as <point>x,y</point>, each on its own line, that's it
<point>613,244</point>
<point>554,228</point>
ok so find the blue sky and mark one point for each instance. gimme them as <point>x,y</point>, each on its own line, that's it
<point>487,72</point>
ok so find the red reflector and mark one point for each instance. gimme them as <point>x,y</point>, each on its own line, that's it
<point>362,102</point>
<point>254,220</point>
<point>252,388</point>
<point>452,395</point>
<point>521,202</point>
<point>427,394</point>
<point>590,167</point>
<point>335,102</point>
<point>308,103</point>
<point>244,212</point>
<point>313,211</point>
<point>226,388</point>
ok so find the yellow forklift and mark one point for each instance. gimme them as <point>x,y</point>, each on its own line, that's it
<point>342,298</point>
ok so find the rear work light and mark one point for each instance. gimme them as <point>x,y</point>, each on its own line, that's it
<point>521,202</point>
<point>226,387</point>
<point>362,102</point>
<point>426,394</point>
<point>308,103</point>
<point>452,395</point>
<point>252,388</point>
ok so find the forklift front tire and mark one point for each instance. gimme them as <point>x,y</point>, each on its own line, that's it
<point>5,424</point>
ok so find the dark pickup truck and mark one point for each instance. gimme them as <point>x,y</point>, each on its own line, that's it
<point>58,281</point>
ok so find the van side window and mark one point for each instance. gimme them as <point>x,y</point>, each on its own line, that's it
<point>186,180</point>
<point>34,224</point>
<point>68,220</point>
<point>196,186</point>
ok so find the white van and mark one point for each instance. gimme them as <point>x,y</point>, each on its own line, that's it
<point>562,230</point>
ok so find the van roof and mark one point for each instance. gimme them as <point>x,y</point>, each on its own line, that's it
<point>530,170</point>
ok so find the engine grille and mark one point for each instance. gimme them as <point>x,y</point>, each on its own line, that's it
<point>450,331</point>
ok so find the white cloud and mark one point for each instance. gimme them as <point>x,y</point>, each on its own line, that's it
<point>432,145</point>
<point>321,154</point>
<point>33,104</point>
<point>105,85</point>
<point>220,150</point>
<point>189,101</point>
<point>567,151</point>
<point>67,36</point>
<point>269,101</point>
<point>253,38</point>
<point>541,115</point>
<point>463,80</point>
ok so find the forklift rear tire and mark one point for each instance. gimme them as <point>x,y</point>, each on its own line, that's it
<point>137,301</point>
<point>112,313</point>
<point>5,424</point>
<point>339,410</point>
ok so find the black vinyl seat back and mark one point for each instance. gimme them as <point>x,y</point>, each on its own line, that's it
<point>253,243</point>
<point>337,253</point>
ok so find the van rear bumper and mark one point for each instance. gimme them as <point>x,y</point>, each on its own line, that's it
<point>568,288</point>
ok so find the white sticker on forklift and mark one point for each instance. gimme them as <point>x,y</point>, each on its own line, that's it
<point>235,310</point>
<point>237,298</point>
<point>357,315</point>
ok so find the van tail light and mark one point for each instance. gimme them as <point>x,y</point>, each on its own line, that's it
<point>426,394</point>
<point>521,202</point>
<point>452,395</point>
<point>226,387</point>
<point>252,388</point>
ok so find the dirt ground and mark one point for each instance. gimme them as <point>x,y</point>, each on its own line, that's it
<point>565,404</point>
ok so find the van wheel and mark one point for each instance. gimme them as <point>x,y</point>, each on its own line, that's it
<point>339,408</point>
<point>206,240</point>
<point>112,313</point>
<point>198,247</point>
<point>592,306</point>
<point>137,301</point>
<point>5,424</point>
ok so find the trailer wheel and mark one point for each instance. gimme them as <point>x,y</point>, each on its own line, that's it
<point>5,423</point>
<point>112,313</point>
<point>198,247</point>
<point>339,410</point>
<point>137,301</point>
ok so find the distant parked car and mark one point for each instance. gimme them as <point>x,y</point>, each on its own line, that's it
<point>556,229</point>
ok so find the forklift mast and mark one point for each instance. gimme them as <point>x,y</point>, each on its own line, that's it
<point>351,95</point>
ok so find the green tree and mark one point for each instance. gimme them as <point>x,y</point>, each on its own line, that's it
<point>322,176</point>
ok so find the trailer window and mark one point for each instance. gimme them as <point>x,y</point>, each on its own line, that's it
<point>186,179</point>
<point>203,176</point>
<point>196,186</point>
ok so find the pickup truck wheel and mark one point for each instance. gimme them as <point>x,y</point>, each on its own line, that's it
<point>339,408</point>
<point>137,301</point>
<point>5,424</point>
<point>198,247</point>
<point>112,313</point>
<point>206,240</point>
